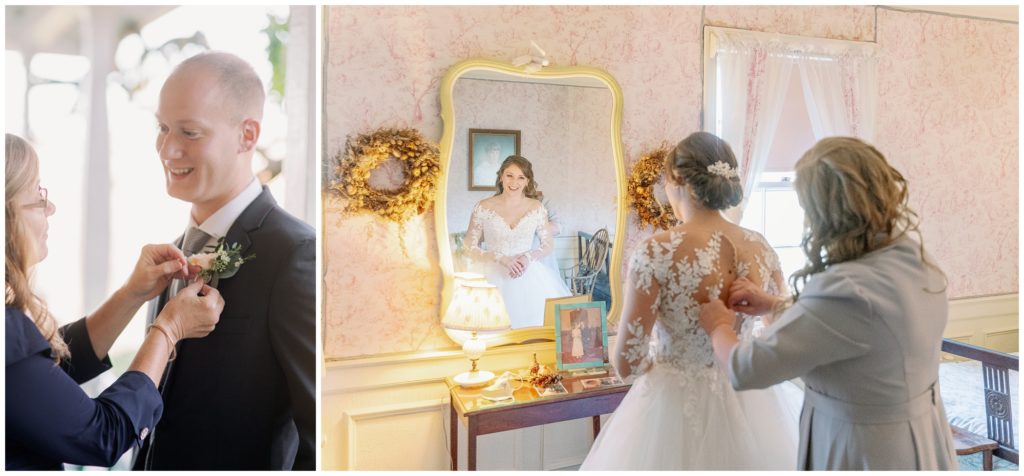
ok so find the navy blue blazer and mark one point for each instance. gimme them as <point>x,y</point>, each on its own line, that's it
<point>50,419</point>
<point>244,396</point>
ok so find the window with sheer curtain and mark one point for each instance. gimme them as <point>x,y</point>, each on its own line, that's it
<point>771,96</point>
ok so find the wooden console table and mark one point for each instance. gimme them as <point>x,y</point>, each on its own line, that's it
<point>526,409</point>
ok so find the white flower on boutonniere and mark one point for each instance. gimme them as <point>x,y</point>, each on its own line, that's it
<point>221,263</point>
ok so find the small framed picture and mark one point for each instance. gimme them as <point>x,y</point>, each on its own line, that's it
<point>488,148</point>
<point>581,335</point>
<point>556,389</point>
<point>550,303</point>
<point>601,382</point>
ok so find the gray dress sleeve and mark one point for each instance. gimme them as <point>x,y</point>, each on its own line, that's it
<point>829,322</point>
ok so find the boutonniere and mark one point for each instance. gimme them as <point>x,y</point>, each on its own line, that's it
<point>221,263</point>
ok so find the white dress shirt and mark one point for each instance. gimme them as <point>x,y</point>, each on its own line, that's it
<point>217,225</point>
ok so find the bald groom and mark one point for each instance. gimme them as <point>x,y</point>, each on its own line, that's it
<point>243,397</point>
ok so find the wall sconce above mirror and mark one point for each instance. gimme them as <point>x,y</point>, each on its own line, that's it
<point>545,224</point>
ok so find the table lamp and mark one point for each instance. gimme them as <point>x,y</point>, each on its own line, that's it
<point>476,307</point>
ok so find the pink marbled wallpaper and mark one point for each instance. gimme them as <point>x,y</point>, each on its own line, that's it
<point>948,119</point>
<point>948,97</point>
<point>853,23</point>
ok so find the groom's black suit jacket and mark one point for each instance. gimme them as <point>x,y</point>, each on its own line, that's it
<point>243,396</point>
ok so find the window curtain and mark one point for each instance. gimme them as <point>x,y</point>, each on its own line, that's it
<point>746,75</point>
<point>841,88</point>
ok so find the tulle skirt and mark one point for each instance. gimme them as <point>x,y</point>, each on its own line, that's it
<point>525,296</point>
<point>670,420</point>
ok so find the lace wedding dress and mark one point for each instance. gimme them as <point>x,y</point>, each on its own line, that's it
<point>490,238</point>
<point>681,412</point>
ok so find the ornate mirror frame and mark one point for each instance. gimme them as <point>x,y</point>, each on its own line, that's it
<point>440,201</point>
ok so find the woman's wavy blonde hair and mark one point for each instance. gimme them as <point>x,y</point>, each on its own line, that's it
<point>23,171</point>
<point>854,203</point>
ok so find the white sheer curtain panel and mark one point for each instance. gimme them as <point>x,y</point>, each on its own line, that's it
<point>751,74</point>
<point>841,89</point>
<point>745,82</point>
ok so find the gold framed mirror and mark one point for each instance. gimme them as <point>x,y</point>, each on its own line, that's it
<point>566,121</point>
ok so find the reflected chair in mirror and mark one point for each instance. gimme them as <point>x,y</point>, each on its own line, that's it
<point>582,276</point>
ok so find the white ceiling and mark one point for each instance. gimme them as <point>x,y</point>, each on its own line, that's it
<point>996,12</point>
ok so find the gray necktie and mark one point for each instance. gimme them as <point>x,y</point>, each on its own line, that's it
<point>195,240</point>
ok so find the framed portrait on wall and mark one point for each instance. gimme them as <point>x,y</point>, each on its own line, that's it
<point>488,148</point>
<point>581,335</point>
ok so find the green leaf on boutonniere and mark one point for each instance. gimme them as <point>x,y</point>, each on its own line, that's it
<point>223,262</point>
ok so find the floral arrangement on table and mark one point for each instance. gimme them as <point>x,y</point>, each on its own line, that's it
<point>542,376</point>
<point>364,153</point>
<point>646,172</point>
<point>221,263</point>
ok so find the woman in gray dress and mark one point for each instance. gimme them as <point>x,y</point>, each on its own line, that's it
<point>865,331</point>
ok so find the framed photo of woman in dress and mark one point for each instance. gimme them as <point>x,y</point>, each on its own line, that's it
<point>581,340</point>
<point>487,149</point>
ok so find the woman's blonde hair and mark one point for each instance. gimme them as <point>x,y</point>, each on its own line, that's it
<point>531,186</point>
<point>854,203</point>
<point>23,171</point>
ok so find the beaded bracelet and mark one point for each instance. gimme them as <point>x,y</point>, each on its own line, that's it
<point>167,335</point>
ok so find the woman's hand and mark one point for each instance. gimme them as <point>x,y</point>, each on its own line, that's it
<point>193,312</point>
<point>714,314</point>
<point>750,299</point>
<point>524,262</point>
<point>515,268</point>
<point>156,267</point>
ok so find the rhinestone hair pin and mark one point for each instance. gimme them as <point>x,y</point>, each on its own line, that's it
<point>723,169</point>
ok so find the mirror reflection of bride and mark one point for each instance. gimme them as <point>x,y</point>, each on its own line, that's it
<point>500,242</point>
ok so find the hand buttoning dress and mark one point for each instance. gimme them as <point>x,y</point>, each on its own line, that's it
<point>681,412</point>
<point>866,335</point>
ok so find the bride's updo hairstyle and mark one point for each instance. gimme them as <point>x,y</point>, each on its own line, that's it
<point>519,161</point>
<point>705,165</point>
<point>854,203</point>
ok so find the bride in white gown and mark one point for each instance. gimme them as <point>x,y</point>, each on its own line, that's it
<point>500,242</point>
<point>681,412</point>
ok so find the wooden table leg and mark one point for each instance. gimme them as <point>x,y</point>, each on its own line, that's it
<point>471,444</point>
<point>597,425</point>
<point>453,431</point>
<point>986,462</point>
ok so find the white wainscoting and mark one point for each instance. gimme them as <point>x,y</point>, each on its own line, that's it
<point>990,321</point>
<point>391,411</point>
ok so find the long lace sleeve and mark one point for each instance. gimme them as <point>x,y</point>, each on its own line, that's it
<point>775,282</point>
<point>764,268</point>
<point>633,348</point>
<point>547,239</point>
<point>473,236</point>
<point>778,288</point>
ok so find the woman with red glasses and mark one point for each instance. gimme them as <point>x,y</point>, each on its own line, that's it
<point>50,420</point>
